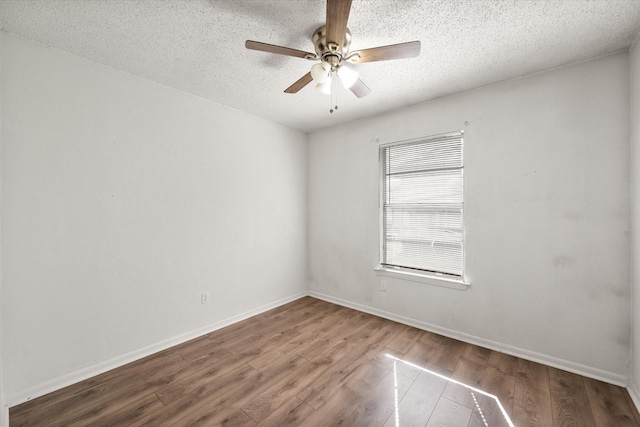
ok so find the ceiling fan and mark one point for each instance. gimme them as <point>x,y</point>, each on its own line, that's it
<point>331,42</point>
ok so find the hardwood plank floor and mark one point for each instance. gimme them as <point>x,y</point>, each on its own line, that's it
<point>312,363</point>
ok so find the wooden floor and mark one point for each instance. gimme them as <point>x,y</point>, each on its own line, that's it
<point>313,363</point>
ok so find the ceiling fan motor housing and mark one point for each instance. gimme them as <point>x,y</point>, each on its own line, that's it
<point>328,51</point>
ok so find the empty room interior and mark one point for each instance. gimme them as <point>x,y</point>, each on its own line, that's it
<point>367,212</point>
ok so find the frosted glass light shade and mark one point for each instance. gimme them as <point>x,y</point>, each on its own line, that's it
<point>320,72</point>
<point>348,77</point>
<point>325,87</point>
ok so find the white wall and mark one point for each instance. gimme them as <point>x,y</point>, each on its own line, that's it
<point>4,415</point>
<point>547,181</point>
<point>634,61</point>
<point>123,200</point>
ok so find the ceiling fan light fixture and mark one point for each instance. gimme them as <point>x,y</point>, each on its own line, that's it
<point>332,42</point>
<point>348,76</point>
<point>325,87</point>
<point>320,72</point>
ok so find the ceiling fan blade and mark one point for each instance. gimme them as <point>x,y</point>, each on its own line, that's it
<point>360,89</point>
<point>385,53</point>
<point>302,82</point>
<point>280,50</point>
<point>337,17</point>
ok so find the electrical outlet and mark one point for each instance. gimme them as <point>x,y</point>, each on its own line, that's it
<point>204,297</point>
<point>383,285</point>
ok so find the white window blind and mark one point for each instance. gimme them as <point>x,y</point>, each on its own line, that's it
<point>422,204</point>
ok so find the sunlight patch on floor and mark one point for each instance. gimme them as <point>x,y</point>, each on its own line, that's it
<point>472,390</point>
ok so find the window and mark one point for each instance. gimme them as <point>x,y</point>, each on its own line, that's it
<point>421,205</point>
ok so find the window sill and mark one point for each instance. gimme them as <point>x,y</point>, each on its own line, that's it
<point>430,279</point>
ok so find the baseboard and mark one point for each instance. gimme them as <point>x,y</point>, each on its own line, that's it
<point>635,396</point>
<point>91,371</point>
<point>577,368</point>
<point>105,366</point>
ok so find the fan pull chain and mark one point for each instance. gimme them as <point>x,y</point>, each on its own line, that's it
<point>331,101</point>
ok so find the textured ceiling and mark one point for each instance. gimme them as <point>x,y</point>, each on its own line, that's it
<point>198,45</point>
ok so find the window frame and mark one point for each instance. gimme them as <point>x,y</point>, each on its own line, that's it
<point>408,273</point>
